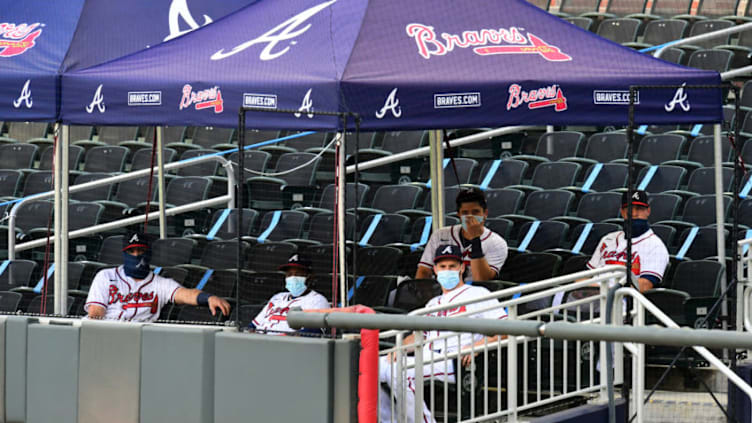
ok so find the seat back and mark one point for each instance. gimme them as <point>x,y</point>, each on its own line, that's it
<point>389,229</point>
<point>17,156</point>
<point>660,148</point>
<point>401,141</point>
<point>668,8</point>
<point>205,168</point>
<point>503,201</point>
<point>578,7</point>
<point>229,229</point>
<point>546,204</point>
<point>83,214</point>
<point>301,177</point>
<point>267,257</point>
<point>392,198</point>
<point>187,189</point>
<point>597,231</point>
<point>328,195</point>
<point>290,224</point>
<point>378,261</point>
<point>317,139</point>
<point>701,27</point>
<point>663,207</point>
<point>665,178</point>
<point>415,293</point>
<point>208,136</point>
<point>698,278</point>
<point>606,146</point>
<point>701,150</point>
<point>619,30</point>
<point>111,251</point>
<point>713,59</point>
<point>702,180</point>
<point>530,267</point>
<point>550,234</point>
<point>17,274</point>
<point>115,134</point>
<point>222,254</point>
<point>555,174</point>
<point>10,182</point>
<point>142,158</point>
<point>38,182</point>
<point>109,158</point>
<point>34,215</point>
<point>135,191</point>
<point>255,160</point>
<point>557,145</point>
<point>75,153</point>
<point>599,206</point>
<point>700,210</point>
<point>172,251</point>
<point>24,131</point>
<point>508,172</point>
<point>611,176</point>
<point>664,30</point>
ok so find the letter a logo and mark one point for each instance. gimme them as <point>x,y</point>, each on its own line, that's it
<point>306,106</point>
<point>97,102</point>
<point>25,97</point>
<point>447,250</point>
<point>294,258</point>
<point>179,9</point>
<point>391,104</point>
<point>680,99</point>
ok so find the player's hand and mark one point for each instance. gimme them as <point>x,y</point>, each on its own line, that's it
<point>216,302</point>
<point>468,359</point>
<point>474,228</point>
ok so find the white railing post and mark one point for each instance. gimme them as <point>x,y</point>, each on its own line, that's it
<point>418,376</point>
<point>638,368</point>
<point>511,368</point>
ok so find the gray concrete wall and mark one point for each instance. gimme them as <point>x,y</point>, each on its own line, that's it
<point>15,369</point>
<point>52,374</point>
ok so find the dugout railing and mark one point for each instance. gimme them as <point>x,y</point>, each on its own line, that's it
<point>517,375</point>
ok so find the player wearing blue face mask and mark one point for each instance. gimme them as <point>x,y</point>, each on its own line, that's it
<point>272,318</point>
<point>483,251</point>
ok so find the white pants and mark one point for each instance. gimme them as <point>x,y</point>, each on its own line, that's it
<point>441,370</point>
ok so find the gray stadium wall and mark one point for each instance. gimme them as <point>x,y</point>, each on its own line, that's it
<point>81,371</point>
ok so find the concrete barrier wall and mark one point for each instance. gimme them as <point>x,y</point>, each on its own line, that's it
<point>81,371</point>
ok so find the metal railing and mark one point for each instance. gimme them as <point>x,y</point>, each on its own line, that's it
<point>228,199</point>
<point>744,287</point>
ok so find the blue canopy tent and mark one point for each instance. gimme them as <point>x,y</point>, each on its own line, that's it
<point>397,65</point>
<point>39,39</point>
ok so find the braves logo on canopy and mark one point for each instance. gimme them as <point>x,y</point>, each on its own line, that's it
<point>287,30</point>
<point>179,9</point>
<point>15,39</point>
<point>550,96</point>
<point>484,42</point>
<point>210,98</point>
<point>25,97</point>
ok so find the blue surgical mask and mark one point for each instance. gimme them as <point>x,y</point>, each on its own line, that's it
<point>295,285</point>
<point>137,267</point>
<point>466,218</point>
<point>448,279</point>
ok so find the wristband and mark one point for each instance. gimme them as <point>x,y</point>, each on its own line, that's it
<point>476,250</point>
<point>203,299</point>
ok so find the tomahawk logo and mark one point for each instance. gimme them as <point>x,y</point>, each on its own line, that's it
<point>306,106</point>
<point>179,10</point>
<point>25,97</point>
<point>392,105</point>
<point>287,30</point>
<point>680,99</point>
<point>97,102</point>
<point>16,39</point>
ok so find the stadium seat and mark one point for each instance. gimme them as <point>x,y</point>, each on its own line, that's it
<point>37,182</point>
<point>670,302</point>
<point>594,207</point>
<point>326,202</point>
<point>530,267</point>
<point>322,257</point>
<point>322,227</point>
<point>603,147</point>
<point>575,264</point>
<point>551,175</point>
<point>222,282</point>
<point>142,158</point>
<point>698,211</point>
<point>668,8</point>
<point>267,257</point>
<point>741,49</point>
<point>35,214</point>
<point>112,135</point>
<point>619,30</point>
<point>315,140</point>
<point>715,9</point>
<point>715,59</point>
<point>17,156</point>
<point>745,212</point>
<point>656,149</point>
<point>280,225</point>
<point>666,233</point>
<point>9,301</point>
<point>673,55</point>
<point>554,146</point>
<point>661,31</point>
<point>706,26</point>
<point>543,205</point>
<point>620,8</point>
<point>382,229</point>
<point>661,178</point>
<point>501,226</point>
<point>541,236</point>
<point>465,170</point>
<point>269,193</point>
<point>503,201</point>
<point>585,238</point>
<point>75,153</point>
<point>172,251</point>
<point>581,22</point>
<point>370,291</point>
<point>206,168</point>
<point>109,158</point>
<point>129,195</point>
<point>18,273</point>
<point>663,207</point>
<point>10,182</point>
<point>698,278</point>
<point>198,314</point>
<point>577,7</point>
<point>701,153</point>
<point>702,182</point>
<point>413,294</point>
<point>377,261</point>
<point>502,173</point>
<point>703,246</point>
<point>393,198</point>
<point>208,137</point>
<point>401,141</point>
<point>253,136</point>
<point>80,132</point>
<point>172,134</point>
<point>609,176</point>
<point>35,306</point>
<point>24,131</point>
<point>254,160</point>
<point>248,312</point>
<point>219,255</point>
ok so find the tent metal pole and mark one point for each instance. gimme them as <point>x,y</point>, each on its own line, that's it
<point>341,254</point>
<point>62,267</point>
<point>437,178</point>
<point>161,183</point>
<point>720,212</point>
<point>549,129</point>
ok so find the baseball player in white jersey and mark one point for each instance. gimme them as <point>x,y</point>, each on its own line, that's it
<point>449,267</point>
<point>483,251</point>
<point>273,317</point>
<point>133,293</point>
<point>649,254</point>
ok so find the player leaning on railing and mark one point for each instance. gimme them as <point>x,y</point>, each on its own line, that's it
<point>449,267</point>
<point>132,292</point>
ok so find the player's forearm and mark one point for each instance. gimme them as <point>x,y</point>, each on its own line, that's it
<point>482,271</point>
<point>187,296</point>
<point>423,273</point>
<point>96,312</point>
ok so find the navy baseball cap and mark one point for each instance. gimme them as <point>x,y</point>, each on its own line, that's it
<point>296,260</point>
<point>447,252</point>
<point>135,239</point>
<point>639,198</point>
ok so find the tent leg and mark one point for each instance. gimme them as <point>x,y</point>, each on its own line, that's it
<point>720,212</point>
<point>161,183</point>
<point>341,222</point>
<point>437,178</point>
<point>61,223</point>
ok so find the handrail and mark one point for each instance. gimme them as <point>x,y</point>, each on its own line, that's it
<point>115,179</point>
<point>725,76</point>
<point>424,151</point>
<point>702,37</point>
<point>703,351</point>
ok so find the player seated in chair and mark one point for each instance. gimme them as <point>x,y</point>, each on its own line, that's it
<point>273,317</point>
<point>133,293</point>
<point>449,267</point>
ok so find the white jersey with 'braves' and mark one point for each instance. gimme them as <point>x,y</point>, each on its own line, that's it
<point>126,299</point>
<point>273,317</point>
<point>649,254</point>
<point>494,248</point>
<point>462,293</point>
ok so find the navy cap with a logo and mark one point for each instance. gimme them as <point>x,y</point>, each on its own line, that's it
<point>639,198</point>
<point>296,260</point>
<point>135,239</point>
<point>447,251</point>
